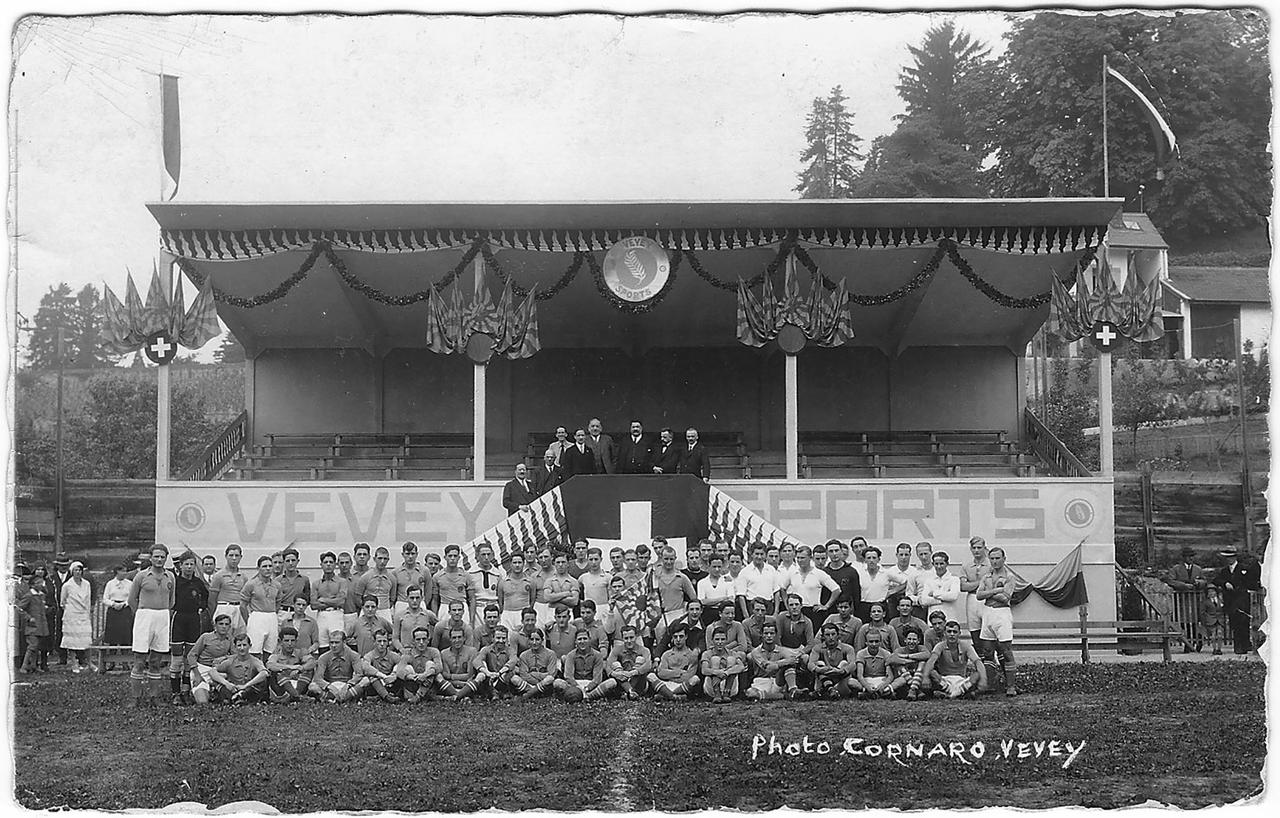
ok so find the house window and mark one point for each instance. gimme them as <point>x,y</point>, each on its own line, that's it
<point>1212,330</point>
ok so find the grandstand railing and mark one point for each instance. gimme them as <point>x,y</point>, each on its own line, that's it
<point>1051,450</point>
<point>218,455</point>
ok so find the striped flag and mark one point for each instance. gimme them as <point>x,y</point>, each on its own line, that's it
<point>740,527</point>
<point>1062,587</point>
<point>170,132</point>
<point>200,324</point>
<point>133,312</point>
<point>115,324</point>
<point>155,315</point>
<point>1165,141</point>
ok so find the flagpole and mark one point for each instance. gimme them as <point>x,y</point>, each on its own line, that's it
<point>478,393</point>
<point>163,432</point>
<point>1106,165</point>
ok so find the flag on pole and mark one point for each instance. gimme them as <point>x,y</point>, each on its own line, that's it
<point>1062,587</point>
<point>115,324</point>
<point>200,324</point>
<point>171,136</point>
<point>155,315</point>
<point>1166,142</point>
<point>133,312</point>
<point>177,310</point>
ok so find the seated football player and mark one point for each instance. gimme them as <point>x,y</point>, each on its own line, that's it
<point>380,668</point>
<point>596,634</point>
<point>559,637</point>
<point>845,622</point>
<point>876,622</point>
<point>676,676</point>
<point>360,633</point>
<point>752,625</point>
<point>872,667</point>
<point>484,631</point>
<point>241,677</point>
<point>304,625</point>
<point>832,664</point>
<point>496,664</point>
<point>458,665</point>
<point>419,668</point>
<point>582,672</point>
<point>290,669</point>
<point>773,667</point>
<point>795,630</point>
<point>442,640</point>
<point>954,668</point>
<point>536,673</point>
<point>209,649</point>
<point>629,663</point>
<point>415,615</point>
<point>694,635</point>
<point>520,639</point>
<point>908,661</point>
<point>720,669</point>
<point>936,631</point>
<point>904,621</point>
<point>736,637</point>
<point>339,673</point>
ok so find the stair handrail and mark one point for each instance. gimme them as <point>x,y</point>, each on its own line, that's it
<point>1051,450</point>
<point>217,456</point>
<point>1150,608</point>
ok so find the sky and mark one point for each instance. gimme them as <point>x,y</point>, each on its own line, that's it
<point>412,108</point>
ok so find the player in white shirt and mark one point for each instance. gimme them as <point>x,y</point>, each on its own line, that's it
<point>939,590</point>
<point>807,582</point>
<point>758,580</point>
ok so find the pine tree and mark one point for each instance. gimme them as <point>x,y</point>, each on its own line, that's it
<point>943,61</point>
<point>832,149</point>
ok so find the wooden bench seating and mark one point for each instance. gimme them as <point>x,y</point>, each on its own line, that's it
<point>1086,635</point>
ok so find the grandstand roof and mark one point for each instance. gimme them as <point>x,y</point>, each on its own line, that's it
<point>399,248</point>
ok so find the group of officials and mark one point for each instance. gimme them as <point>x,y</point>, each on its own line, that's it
<point>789,621</point>
<point>591,451</point>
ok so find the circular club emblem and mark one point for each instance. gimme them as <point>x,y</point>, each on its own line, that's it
<point>636,269</point>
<point>1079,513</point>
<point>190,517</point>
<point>1105,336</point>
<point>159,348</point>
<point>480,347</point>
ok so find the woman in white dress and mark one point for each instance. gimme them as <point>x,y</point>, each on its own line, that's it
<point>77,629</point>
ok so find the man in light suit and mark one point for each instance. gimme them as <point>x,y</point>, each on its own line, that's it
<point>578,458</point>
<point>666,455</point>
<point>548,475</point>
<point>635,454</point>
<point>517,494</point>
<point>693,458</point>
<point>602,445</point>
<point>562,442</point>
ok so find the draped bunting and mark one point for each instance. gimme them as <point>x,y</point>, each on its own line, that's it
<point>1062,587</point>
<point>514,328</point>
<point>126,327</point>
<point>740,527</point>
<point>823,317</point>
<point>1134,309</point>
<point>237,245</point>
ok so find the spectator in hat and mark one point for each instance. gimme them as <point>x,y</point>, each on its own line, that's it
<point>76,601</point>
<point>53,597</point>
<point>1236,579</point>
<point>17,586</point>
<point>34,621</point>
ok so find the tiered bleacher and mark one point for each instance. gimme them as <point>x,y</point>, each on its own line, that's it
<point>823,455</point>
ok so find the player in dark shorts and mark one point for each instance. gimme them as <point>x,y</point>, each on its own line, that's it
<point>190,602</point>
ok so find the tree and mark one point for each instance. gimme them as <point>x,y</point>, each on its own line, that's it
<point>229,351</point>
<point>943,62</point>
<point>79,317</point>
<point>938,146</point>
<point>832,149</point>
<point>1210,73</point>
<point>1138,396</point>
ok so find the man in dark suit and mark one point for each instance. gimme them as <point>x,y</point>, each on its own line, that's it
<point>1186,575</point>
<point>517,494</point>
<point>59,577</point>
<point>666,455</point>
<point>693,458</point>
<point>548,475</point>
<point>578,458</point>
<point>635,454</point>
<point>1236,579</point>
<point>602,445</point>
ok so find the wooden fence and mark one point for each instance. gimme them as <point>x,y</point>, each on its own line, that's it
<point>1169,511</point>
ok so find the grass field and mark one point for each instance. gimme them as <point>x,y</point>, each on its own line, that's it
<point>1184,734</point>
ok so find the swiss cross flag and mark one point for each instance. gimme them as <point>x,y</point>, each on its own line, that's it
<point>628,510</point>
